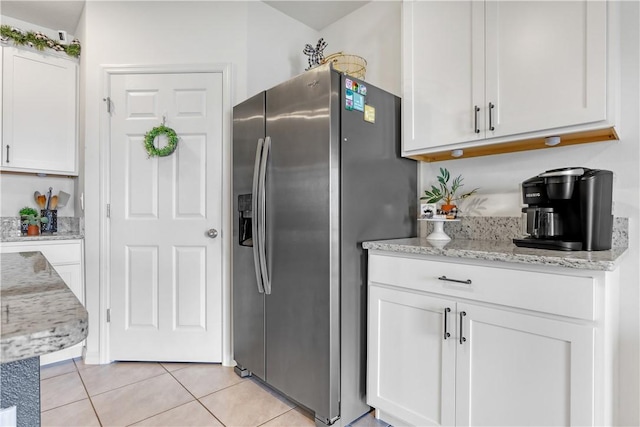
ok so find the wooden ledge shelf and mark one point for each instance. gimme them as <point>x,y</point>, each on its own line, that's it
<point>599,135</point>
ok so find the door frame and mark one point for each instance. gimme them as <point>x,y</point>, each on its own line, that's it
<point>105,187</point>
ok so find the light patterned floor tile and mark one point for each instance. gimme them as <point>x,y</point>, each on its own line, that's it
<point>203,379</point>
<point>61,390</point>
<point>245,404</point>
<point>293,418</point>
<point>193,414</point>
<point>55,369</point>
<point>139,401</point>
<point>174,366</point>
<point>77,414</point>
<point>101,378</point>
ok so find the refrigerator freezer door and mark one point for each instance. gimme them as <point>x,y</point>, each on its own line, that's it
<point>378,201</point>
<point>302,311</point>
<point>248,303</point>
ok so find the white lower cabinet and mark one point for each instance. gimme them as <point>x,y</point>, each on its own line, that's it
<point>440,352</point>
<point>514,369</point>
<point>66,257</point>
<point>411,365</point>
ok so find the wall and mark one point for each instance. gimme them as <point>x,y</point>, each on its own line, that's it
<point>499,176</point>
<point>373,32</point>
<point>17,190</point>
<point>261,44</point>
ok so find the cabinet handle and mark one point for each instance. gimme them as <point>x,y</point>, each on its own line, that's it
<point>476,110</point>
<point>446,330</point>
<point>446,279</point>
<point>462,338</point>
<point>7,153</point>
<point>491,107</point>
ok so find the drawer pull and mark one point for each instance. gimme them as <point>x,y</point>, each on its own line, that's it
<point>476,110</point>
<point>446,330</point>
<point>491,107</point>
<point>446,279</point>
<point>462,338</point>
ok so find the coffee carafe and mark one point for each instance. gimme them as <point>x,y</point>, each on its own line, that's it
<point>568,209</point>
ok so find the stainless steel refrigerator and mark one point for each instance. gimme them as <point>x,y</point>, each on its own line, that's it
<point>316,171</point>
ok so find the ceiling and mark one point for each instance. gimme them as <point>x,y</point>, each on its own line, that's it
<point>316,14</point>
<point>65,14</point>
<point>52,14</point>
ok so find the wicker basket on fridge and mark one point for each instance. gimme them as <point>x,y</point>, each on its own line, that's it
<point>352,65</point>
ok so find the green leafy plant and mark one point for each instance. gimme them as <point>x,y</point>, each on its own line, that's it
<point>28,211</point>
<point>37,40</point>
<point>446,192</point>
<point>36,219</point>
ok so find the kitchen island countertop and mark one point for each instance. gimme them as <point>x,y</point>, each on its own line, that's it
<point>491,250</point>
<point>40,314</point>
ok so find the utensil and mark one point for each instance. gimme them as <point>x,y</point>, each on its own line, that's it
<point>63,198</point>
<point>49,198</point>
<point>42,200</point>
<point>36,195</point>
<point>54,202</point>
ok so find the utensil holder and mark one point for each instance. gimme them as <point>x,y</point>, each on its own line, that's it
<point>52,225</point>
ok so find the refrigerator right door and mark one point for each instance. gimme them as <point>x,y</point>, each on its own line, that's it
<point>248,302</point>
<point>302,310</point>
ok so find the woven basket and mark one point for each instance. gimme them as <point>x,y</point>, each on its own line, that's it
<point>352,65</point>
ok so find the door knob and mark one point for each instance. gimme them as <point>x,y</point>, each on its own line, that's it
<point>212,233</point>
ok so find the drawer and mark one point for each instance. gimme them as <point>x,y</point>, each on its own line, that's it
<point>559,294</point>
<point>56,251</point>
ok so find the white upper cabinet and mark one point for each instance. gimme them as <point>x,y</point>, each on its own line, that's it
<point>477,73</point>
<point>39,106</point>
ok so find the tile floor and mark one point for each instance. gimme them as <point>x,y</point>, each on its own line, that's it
<point>163,394</point>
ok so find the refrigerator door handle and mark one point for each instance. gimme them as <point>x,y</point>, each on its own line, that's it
<point>255,206</point>
<point>266,283</point>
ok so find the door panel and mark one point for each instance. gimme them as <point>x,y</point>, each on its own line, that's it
<point>412,368</point>
<point>302,311</point>
<point>166,280</point>
<point>248,303</point>
<point>141,287</point>
<point>564,66</point>
<point>511,360</point>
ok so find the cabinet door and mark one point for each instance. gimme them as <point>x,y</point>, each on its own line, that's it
<point>410,364</point>
<point>443,73</point>
<point>72,276</point>
<point>546,64</point>
<point>515,369</point>
<point>39,112</point>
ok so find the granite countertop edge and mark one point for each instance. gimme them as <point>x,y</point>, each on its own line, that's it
<point>42,237</point>
<point>39,313</point>
<point>38,343</point>
<point>488,250</point>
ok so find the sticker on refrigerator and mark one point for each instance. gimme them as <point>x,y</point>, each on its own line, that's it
<point>362,90</point>
<point>348,99</point>
<point>348,84</point>
<point>369,114</point>
<point>358,102</point>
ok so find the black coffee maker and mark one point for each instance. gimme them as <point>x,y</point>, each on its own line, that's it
<point>568,209</point>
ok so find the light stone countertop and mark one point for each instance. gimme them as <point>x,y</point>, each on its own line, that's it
<point>40,314</point>
<point>490,250</point>
<point>42,237</point>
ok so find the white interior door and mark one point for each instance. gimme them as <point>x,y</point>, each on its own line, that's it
<point>166,271</point>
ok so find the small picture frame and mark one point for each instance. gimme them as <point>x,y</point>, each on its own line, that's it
<point>428,210</point>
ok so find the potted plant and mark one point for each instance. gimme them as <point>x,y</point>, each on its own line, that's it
<point>445,192</point>
<point>24,212</point>
<point>33,221</point>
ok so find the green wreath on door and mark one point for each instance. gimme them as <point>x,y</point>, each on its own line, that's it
<point>150,137</point>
